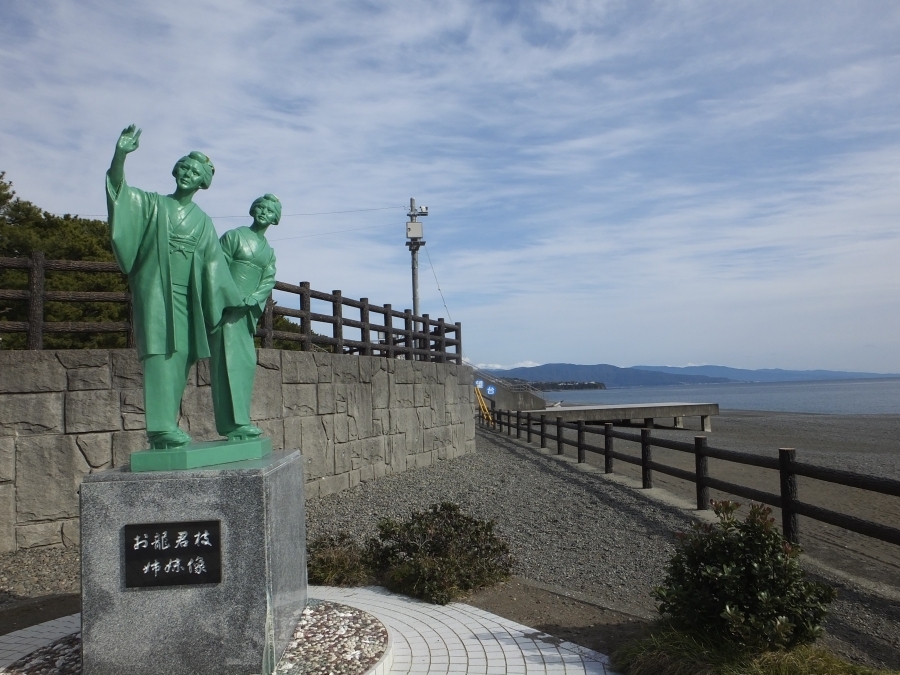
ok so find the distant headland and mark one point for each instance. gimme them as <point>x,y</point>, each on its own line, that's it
<point>648,376</point>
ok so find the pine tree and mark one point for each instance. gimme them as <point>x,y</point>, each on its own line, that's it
<point>24,228</point>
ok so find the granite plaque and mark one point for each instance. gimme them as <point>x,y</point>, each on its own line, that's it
<point>172,554</point>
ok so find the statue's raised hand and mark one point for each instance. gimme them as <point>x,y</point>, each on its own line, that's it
<point>129,139</point>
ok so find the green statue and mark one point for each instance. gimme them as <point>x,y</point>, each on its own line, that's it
<point>251,261</point>
<point>179,279</point>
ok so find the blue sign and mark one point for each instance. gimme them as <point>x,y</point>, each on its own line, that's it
<point>491,390</point>
<point>479,384</point>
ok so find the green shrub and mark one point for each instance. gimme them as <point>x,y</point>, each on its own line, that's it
<point>666,650</point>
<point>439,554</point>
<point>337,560</point>
<point>739,580</point>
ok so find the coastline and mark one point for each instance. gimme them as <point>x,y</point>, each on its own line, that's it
<point>832,397</point>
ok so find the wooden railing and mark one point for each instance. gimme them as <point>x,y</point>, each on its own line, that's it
<point>417,338</point>
<point>786,464</point>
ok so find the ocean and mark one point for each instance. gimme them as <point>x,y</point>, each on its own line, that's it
<point>833,397</point>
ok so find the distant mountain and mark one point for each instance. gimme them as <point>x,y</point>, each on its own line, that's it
<point>611,376</point>
<point>765,374</point>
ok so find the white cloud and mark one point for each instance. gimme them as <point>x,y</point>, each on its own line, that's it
<point>621,182</point>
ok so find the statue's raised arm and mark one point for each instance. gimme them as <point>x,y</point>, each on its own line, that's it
<point>178,277</point>
<point>129,141</point>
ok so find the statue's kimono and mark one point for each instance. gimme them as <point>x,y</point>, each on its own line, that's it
<point>180,286</point>
<point>152,238</point>
<point>251,262</point>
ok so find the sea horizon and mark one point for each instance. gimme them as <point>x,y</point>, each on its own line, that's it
<point>867,396</point>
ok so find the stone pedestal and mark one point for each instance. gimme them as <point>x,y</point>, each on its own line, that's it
<point>198,455</point>
<point>239,625</point>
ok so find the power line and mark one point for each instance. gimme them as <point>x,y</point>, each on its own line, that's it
<point>286,215</point>
<point>438,285</point>
<point>324,234</point>
<point>324,213</point>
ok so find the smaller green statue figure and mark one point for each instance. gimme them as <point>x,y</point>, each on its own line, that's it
<point>232,364</point>
<point>179,279</point>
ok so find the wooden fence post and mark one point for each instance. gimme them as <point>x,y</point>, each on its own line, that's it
<point>130,341</point>
<point>408,327</point>
<point>646,458</point>
<point>389,330</point>
<point>457,331</point>
<point>269,324</point>
<point>494,414</point>
<point>581,458</point>
<point>442,341</point>
<point>543,431</point>
<point>425,342</point>
<point>509,422</point>
<point>608,447</point>
<point>701,462</point>
<point>365,334</point>
<point>337,311</point>
<point>305,321</point>
<point>789,524</point>
<point>560,445</point>
<point>36,301</point>
<point>528,422</point>
<point>518,424</point>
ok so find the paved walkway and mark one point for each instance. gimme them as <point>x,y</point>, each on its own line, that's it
<point>13,646</point>
<point>452,639</point>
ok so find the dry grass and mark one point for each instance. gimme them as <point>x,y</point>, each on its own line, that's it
<point>667,651</point>
<point>337,560</point>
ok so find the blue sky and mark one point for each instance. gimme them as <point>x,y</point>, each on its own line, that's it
<point>609,182</point>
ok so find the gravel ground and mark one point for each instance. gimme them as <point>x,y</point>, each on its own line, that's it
<point>565,528</point>
<point>36,572</point>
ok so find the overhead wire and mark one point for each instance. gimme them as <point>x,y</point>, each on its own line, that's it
<point>438,283</point>
<point>244,215</point>
<point>323,234</point>
<point>324,213</point>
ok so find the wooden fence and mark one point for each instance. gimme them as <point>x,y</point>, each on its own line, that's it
<point>786,464</point>
<point>417,338</point>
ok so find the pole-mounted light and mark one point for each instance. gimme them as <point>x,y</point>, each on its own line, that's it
<point>414,234</point>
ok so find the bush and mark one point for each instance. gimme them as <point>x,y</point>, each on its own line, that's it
<point>740,581</point>
<point>439,554</point>
<point>670,651</point>
<point>337,560</point>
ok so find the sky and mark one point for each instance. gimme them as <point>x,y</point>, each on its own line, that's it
<point>626,181</point>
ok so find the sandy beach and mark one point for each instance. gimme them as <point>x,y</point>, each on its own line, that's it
<point>868,444</point>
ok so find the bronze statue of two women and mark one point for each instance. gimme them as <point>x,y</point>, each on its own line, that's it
<point>194,296</point>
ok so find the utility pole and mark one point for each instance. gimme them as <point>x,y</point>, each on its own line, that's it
<point>414,235</point>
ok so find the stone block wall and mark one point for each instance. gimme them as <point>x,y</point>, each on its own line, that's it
<point>67,413</point>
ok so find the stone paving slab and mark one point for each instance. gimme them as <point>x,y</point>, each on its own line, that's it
<point>458,639</point>
<point>15,645</point>
<point>454,639</point>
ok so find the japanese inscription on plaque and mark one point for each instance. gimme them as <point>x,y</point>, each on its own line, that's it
<point>173,554</point>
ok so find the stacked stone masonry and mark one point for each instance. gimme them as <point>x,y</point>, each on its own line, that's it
<point>64,414</point>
